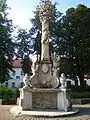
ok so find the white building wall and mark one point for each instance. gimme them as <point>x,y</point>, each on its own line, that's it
<point>87,81</point>
<point>16,76</point>
<point>17,73</point>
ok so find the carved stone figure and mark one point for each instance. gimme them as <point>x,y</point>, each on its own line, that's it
<point>63,81</point>
<point>26,81</point>
<point>45,18</point>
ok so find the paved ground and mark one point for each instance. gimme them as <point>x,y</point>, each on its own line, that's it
<point>83,115</point>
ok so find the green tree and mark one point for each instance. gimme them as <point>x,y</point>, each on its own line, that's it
<point>26,65</point>
<point>6,45</point>
<point>73,44</point>
<point>23,43</point>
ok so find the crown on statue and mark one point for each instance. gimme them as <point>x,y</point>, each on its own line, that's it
<point>45,9</point>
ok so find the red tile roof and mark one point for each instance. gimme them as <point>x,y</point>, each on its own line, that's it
<point>16,63</point>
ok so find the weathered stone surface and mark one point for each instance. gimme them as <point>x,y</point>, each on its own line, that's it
<point>44,100</point>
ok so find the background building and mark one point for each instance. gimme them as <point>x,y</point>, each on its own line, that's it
<point>17,75</point>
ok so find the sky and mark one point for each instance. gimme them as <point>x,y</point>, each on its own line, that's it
<point>22,10</point>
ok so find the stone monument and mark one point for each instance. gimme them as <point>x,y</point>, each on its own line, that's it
<point>44,75</point>
<point>43,92</point>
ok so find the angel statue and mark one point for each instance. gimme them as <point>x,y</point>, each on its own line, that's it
<point>26,81</point>
<point>63,81</point>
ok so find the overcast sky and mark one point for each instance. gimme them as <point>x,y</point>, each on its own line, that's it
<point>22,10</point>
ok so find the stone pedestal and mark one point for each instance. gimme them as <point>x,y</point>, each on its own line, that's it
<point>44,99</point>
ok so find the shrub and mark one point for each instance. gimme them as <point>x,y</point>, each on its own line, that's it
<point>5,93</point>
<point>16,92</point>
<point>80,89</point>
<point>80,94</point>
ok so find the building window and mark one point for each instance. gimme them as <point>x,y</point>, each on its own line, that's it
<point>13,73</point>
<point>17,77</point>
<point>22,84</point>
<point>22,73</point>
<point>13,84</point>
<point>6,84</point>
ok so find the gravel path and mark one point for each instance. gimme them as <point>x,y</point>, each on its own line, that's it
<point>83,115</point>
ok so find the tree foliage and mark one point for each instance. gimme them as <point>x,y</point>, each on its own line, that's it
<point>23,43</point>
<point>6,45</point>
<point>26,65</point>
<point>73,45</point>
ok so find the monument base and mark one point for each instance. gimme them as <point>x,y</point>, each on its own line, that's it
<point>45,99</point>
<point>44,102</point>
<point>17,111</point>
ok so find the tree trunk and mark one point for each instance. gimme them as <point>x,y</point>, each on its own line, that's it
<point>80,72</point>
